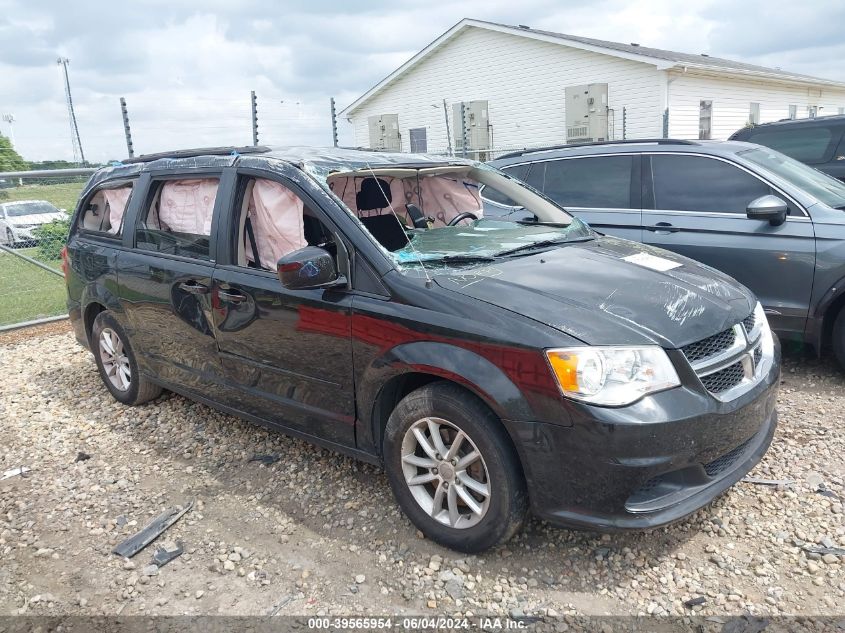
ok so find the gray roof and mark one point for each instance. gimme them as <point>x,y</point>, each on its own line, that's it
<point>659,53</point>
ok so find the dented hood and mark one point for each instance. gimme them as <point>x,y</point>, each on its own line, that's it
<point>609,291</point>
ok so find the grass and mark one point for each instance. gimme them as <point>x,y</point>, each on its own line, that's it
<point>62,195</point>
<point>28,292</point>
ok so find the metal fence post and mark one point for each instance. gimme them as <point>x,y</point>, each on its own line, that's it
<point>254,102</point>
<point>666,123</point>
<point>334,123</point>
<point>463,130</point>
<point>126,131</point>
<point>624,123</point>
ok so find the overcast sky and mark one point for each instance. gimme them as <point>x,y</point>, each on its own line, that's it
<point>186,68</point>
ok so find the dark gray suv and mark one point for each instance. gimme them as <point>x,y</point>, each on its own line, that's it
<point>769,221</point>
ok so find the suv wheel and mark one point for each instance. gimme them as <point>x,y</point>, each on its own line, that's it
<point>10,238</point>
<point>453,469</point>
<point>117,365</point>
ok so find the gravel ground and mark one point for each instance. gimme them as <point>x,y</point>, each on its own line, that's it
<point>319,533</point>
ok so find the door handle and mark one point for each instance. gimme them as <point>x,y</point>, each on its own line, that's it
<point>231,297</point>
<point>193,287</point>
<point>663,228</point>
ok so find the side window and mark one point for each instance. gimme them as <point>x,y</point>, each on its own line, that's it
<point>104,211</point>
<point>599,182</point>
<point>273,222</point>
<point>517,171</point>
<point>698,183</point>
<point>809,145</point>
<point>178,217</point>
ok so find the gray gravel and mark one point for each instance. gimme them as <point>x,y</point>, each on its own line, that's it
<point>319,533</point>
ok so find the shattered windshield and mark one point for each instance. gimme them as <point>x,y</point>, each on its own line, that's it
<point>424,214</point>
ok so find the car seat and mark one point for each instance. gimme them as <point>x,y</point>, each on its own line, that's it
<point>387,229</point>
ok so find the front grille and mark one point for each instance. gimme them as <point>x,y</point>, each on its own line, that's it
<point>710,346</point>
<point>723,463</point>
<point>758,355</point>
<point>748,323</point>
<point>724,379</point>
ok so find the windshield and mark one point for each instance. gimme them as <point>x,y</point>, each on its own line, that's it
<point>822,187</point>
<point>19,209</point>
<point>437,213</point>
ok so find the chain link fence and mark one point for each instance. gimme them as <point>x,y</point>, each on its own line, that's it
<point>35,209</point>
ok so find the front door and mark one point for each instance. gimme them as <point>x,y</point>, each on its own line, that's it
<point>604,191</point>
<point>287,351</point>
<point>698,209</point>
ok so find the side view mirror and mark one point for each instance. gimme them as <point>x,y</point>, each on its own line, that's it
<point>307,268</point>
<point>769,208</point>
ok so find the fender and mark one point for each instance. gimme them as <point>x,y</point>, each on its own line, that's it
<point>99,293</point>
<point>457,364</point>
<point>814,332</point>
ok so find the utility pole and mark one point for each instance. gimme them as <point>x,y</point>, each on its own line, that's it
<point>448,132</point>
<point>334,123</point>
<point>78,154</point>
<point>10,119</point>
<point>126,131</point>
<point>254,101</point>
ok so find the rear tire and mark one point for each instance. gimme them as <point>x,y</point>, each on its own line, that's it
<point>469,499</point>
<point>117,365</point>
<point>838,338</point>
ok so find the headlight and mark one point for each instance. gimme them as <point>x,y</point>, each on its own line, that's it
<point>611,376</point>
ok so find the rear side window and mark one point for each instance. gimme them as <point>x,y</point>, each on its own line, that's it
<point>698,183</point>
<point>178,218</point>
<point>808,144</point>
<point>599,182</point>
<point>105,210</point>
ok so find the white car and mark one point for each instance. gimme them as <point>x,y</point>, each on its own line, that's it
<point>19,219</point>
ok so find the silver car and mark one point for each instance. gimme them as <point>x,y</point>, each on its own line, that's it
<point>768,221</point>
<point>19,219</point>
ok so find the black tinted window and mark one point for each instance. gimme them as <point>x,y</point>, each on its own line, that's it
<point>601,182</point>
<point>697,183</point>
<point>809,145</point>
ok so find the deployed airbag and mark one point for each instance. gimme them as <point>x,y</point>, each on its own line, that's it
<point>186,206</point>
<point>276,214</point>
<point>116,200</point>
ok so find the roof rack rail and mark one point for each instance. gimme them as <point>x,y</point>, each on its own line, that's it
<point>199,151</point>
<point>630,141</point>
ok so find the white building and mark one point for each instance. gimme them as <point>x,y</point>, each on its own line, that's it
<point>513,84</point>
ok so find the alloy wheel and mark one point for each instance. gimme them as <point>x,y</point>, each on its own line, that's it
<point>445,472</point>
<point>114,359</point>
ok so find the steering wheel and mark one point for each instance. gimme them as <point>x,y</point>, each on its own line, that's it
<point>466,215</point>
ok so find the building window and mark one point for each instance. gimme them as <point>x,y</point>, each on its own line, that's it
<point>419,141</point>
<point>754,114</point>
<point>812,111</point>
<point>793,112</point>
<point>705,116</point>
<point>840,111</point>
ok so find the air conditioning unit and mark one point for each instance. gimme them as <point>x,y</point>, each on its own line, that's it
<point>476,126</point>
<point>384,132</point>
<point>586,113</point>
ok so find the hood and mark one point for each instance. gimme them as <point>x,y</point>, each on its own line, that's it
<point>609,291</point>
<point>35,218</point>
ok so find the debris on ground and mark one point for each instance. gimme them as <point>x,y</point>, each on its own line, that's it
<point>167,553</point>
<point>81,457</point>
<point>267,460</point>
<point>694,602</point>
<point>14,472</point>
<point>760,481</point>
<point>151,531</point>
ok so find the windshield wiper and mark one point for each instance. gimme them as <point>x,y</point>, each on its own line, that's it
<point>541,244</point>
<point>465,258</point>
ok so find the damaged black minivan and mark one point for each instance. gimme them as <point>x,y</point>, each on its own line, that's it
<point>363,301</point>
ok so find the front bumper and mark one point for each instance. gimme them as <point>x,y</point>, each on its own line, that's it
<point>648,464</point>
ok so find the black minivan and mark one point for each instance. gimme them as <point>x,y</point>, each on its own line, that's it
<point>363,301</point>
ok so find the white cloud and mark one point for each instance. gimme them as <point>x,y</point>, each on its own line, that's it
<point>186,70</point>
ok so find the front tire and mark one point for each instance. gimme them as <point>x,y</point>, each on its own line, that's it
<point>117,365</point>
<point>10,238</point>
<point>453,470</point>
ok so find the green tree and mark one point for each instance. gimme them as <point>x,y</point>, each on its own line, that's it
<point>10,160</point>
